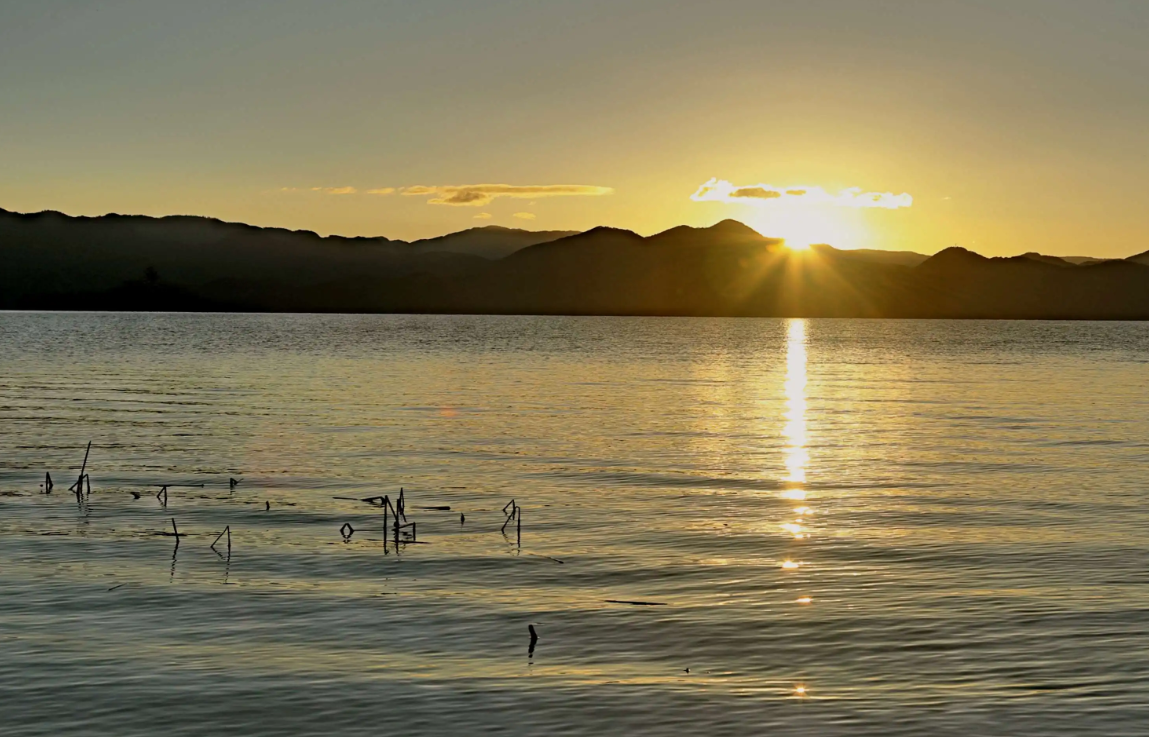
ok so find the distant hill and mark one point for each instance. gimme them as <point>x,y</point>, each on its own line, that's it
<point>1054,260</point>
<point>1141,258</point>
<point>53,261</point>
<point>894,258</point>
<point>1083,260</point>
<point>490,241</point>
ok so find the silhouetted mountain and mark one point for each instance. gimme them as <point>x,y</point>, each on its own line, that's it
<point>960,283</point>
<point>1048,259</point>
<point>50,253</point>
<point>893,258</point>
<point>1141,258</point>
<point>52,261</point>
<point>490,241</point>
<point>1082,260</point>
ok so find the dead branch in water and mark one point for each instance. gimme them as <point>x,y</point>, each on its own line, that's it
<point>515,514</point>
<point>84,467</point>
<point>226,531</point>
<point>174,533</point>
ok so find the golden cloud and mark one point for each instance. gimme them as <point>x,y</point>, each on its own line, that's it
<point>524,215</point>
<point>720,190</point>
<point>483,216</point>
<point>382,191</point>
<point>335,190</point>
<point>479,195</point>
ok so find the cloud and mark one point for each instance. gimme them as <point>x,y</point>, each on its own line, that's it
<point>483,216</point>
<point>524,215</point>
<point>335,190</point>
<point>478,195</point>
<point>382,191</point>
<point>720,190</point>
<point>757,192</point>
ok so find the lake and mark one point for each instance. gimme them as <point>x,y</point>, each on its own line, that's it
<point>727,527</point>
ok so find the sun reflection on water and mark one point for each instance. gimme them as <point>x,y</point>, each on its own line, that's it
<point>797,457</point>
<point>794,431</point>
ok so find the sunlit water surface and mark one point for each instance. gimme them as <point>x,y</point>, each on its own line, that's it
<point>847,527</point>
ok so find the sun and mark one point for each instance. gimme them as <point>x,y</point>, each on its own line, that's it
<point>803,226</point>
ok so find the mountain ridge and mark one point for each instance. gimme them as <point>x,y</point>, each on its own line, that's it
<point>56,261</point>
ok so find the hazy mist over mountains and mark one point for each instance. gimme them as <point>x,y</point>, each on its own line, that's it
<point>116,262</point>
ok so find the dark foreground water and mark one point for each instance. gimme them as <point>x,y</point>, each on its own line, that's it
<point>849,527</point>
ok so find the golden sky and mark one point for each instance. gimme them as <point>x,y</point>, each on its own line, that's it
<point>1003,126</point>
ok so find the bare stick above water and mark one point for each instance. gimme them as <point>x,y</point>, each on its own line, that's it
<point>84,467</point>
<point>176,534</point>
<point>510,515</point>
<point>226,531</point>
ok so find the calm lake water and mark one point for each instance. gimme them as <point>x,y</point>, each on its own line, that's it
<point>848,527</point>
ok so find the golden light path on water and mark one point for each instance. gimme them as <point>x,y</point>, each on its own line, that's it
<point>797,456</point>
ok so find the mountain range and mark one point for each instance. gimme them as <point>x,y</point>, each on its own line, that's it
<point>53,261</point>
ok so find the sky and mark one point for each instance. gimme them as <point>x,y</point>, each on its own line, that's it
<point>1004,126</point>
